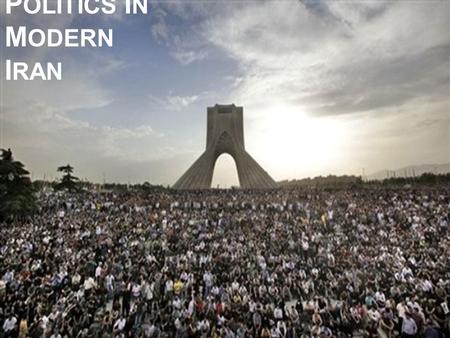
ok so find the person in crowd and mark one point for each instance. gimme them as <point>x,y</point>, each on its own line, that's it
<point>409,326</point>
<point>10,326</point>
<point>287,263</point>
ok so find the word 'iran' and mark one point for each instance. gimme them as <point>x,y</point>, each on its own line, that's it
<point>39,71</point>
<point>22,37</point>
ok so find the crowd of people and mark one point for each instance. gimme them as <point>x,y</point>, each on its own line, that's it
<point>291,263</point>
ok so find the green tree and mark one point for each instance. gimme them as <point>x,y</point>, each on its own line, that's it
<point>16,191</point>
<point>68,181</point>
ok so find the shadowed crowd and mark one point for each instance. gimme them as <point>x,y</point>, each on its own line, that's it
<point>230,264</point>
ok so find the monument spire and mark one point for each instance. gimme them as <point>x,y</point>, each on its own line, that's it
<point>225,134</point>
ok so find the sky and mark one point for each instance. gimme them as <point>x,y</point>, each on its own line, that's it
<point>332,87</point>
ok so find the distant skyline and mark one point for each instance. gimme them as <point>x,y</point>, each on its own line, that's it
<point>342,85</point>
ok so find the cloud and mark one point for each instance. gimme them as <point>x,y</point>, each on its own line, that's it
<point>160,31</point>
<point>172,102</point>
<point>181,101</point>
<point>159,28</point>
<point>186,57</point>
<point>44,138</point>
<point>333,58</point>
<point>41,129</point>
<point>185,45</point>
<point>384,83</point>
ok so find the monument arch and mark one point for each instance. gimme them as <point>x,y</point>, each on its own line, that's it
<point>225,134</point>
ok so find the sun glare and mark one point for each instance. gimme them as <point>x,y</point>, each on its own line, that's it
<point>294,143</point>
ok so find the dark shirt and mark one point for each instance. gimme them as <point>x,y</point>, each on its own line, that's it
<point>431,332</point>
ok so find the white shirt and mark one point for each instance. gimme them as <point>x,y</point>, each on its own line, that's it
<point>98,271</point>
<point>176,303</point>
<point>8,276</point>
<point>9,324</point>
<point>401,310</point>
<point>191,307</point>
<point>169,285</point>
<point>2,285</point>
<point>109,280</point>
<point>409,326</point>
<point>76,279</point>
<point>277,313</point>
<point>207,278</point>
<point>380,297</point>
<point>275,332</point>
<point>120,324</point>
<point>89,283</point>
<point>427,286</point>
<point>374,315</point>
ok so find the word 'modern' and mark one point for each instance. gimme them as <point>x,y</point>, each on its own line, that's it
<point>22,36</point>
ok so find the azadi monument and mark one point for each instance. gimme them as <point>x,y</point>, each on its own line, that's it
<point>225,134</point>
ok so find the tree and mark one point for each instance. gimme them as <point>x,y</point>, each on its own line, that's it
<point>16,190</point>
<point>68,181</point>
